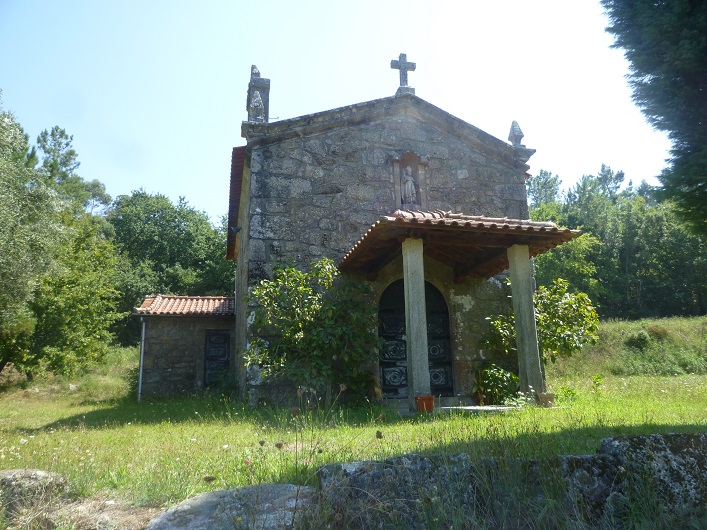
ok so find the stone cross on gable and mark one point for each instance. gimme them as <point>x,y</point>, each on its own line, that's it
<point>404,66</point>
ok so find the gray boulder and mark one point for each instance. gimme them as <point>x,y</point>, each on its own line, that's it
<point>29,489</point>
<point>266,507</point>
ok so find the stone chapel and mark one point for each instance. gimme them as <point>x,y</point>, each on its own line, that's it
<point>429,209</point>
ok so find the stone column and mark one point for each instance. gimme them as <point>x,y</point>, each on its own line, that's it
<point>523,309</point>
<point>418,369</point>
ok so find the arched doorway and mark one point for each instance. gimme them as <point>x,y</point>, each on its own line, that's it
<point>393,354</point>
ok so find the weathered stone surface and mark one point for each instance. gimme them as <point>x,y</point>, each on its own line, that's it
<point>668,472</point>
<point>674,465</point>
<point>374,494</point>
<point>266,507</point>
<point>591,480</point>
<point>174,353</point>
<point>28,488</point>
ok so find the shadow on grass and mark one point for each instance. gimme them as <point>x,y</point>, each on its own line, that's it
<point>202,408</point>
<point>495,443</point>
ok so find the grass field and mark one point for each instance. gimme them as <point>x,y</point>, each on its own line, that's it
<point>159,452</point>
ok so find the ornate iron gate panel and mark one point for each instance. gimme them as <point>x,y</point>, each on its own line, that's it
<point>439,351</point>
<point>216,357</point>
<point>393,354</point>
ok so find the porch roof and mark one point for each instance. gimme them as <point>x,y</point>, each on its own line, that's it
<point>474,246</point>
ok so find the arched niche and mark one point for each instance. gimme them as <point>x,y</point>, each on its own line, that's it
<point>410,177</point>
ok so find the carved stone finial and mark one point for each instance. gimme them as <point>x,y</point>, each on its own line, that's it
<point>516,135</point>
<point>257,109</point>
<point>404,66</point>
<point>258,102</point>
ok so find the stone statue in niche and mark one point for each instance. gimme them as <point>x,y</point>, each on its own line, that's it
<point>257,109</point>
<point>409,189</point>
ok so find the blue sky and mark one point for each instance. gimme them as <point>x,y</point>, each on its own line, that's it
<point>153,92</point>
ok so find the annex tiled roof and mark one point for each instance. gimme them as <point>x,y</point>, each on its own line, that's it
<point>206,306</point>
<point>472,245</point>
<point>234,199</point>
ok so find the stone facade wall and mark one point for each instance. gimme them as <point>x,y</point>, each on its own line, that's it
<point>316,195</point>
<point>311,190</point>
<point>173,358</point>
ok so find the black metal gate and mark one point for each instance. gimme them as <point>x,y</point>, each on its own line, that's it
<point>393,355</point>
<point>216,357</point>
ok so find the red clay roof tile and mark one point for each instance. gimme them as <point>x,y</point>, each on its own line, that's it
<point>472,245</point>
<point>186,306</point>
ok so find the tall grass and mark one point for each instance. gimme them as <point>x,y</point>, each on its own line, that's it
<point>159,452</point>
<point>669,346</point>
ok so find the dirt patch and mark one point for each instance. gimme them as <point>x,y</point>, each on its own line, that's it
<point>84,514</point>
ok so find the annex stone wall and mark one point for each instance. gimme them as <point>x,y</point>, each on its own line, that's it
<point>173,358</point>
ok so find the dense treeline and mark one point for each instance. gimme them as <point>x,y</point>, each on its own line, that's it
<point>636,258</point>
<point>73,262</point>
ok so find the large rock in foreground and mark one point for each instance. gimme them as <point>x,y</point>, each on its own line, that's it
<point>648,476</point>
<point>266,507</point>
<point>28,488</point>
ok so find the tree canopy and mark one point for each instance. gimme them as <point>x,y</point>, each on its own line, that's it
<point>71,270</point>
<point>59,165</point>
<point>665,43</point>
<point>29,237</point>
<point>166,249</point>
<point>636,257</point>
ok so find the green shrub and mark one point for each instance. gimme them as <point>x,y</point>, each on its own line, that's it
<point>497,384</point>
<point>566,394</point>
<point>316,329</point>
<point>638,340</point>
<point>565,323</point>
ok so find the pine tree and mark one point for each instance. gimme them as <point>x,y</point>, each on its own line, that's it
<point>666,45</point>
